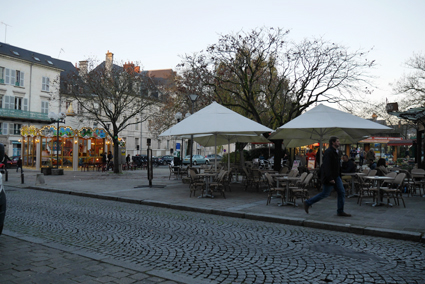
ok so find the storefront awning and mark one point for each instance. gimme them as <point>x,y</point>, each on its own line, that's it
<point>383,140</point>
<point>407,142</point>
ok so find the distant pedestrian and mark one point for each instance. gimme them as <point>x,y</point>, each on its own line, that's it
<point>330,175</point>
<point>370,155</point>
<point>110,157</point>
<point>19,165</point>
<point>361,157</point>
<point>127,160</point>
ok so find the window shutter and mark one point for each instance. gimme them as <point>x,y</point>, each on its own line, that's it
<point>4,130</point>
<point>12,77</point>
<point>11,102</point>
<point>25,106</point>
<point>10,128</point>
<point>47,84</point>
<point>7,102</point>
<point>21,83</point>
<point>7,76</point>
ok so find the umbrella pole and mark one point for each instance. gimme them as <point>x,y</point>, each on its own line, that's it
<point>215,151</point>
<point>228,155</point>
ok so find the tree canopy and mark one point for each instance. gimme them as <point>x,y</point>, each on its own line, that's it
<point>114,96</point>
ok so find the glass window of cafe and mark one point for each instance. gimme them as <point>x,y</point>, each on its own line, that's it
<point>29,151</point>
<point>52,148</point>
<point>90,150</point>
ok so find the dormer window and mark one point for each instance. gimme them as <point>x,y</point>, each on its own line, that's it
<point>36,58</point>
<point>15,52</point>
<point>50,62</point>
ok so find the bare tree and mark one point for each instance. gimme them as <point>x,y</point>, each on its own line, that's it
<point>413,84</point>
<point>113,95</point>
<point>263,76</point>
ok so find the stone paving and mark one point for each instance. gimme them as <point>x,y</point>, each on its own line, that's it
<point>30,262</point>
<point>395,222</point>
<point>204,248</point>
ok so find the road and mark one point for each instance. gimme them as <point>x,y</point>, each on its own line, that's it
<point>210,248</point>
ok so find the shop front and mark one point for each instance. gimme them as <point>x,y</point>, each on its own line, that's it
<point>70,149</point>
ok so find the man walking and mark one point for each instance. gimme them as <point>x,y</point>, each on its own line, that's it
<point>330,175</point>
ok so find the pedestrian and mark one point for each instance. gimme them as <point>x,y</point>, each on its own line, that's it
<point>19,165</point>
<point>127,160</point>
<point>330,176</point>
<point>353,154</point>
<point>370,155</point>
<point>110,157</point>
<point>372,164</point>
<point>361,157</point>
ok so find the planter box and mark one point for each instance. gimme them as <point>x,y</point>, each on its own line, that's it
<point>57,172</point>
<point>46,171</point>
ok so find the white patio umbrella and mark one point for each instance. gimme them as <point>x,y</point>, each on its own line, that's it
<point>217,120</point>
<point>322,122</point>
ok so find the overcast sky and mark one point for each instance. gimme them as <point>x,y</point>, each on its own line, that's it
<point>156,33</point>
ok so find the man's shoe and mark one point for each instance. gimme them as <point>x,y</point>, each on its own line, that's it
<point>343,214</point>
<point>306,206</point>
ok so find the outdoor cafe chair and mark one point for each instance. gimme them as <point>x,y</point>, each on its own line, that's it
<point>395,191</point>
<point>284,170</point>
<point>301,191</point>
<point>272,188</point>
<point>173,171</point>
<point>219,184</point>
<point>196,183</point>
<point>363,190</point>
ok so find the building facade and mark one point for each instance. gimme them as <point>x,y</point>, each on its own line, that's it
<point>27,81</point>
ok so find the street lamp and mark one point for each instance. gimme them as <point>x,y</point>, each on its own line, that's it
<point>193,98</point>
<point>178,116</point>
<point>57,118</point>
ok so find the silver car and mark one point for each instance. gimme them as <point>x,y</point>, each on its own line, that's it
<point>196,160</point>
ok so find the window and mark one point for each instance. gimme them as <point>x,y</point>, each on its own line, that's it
<point>45,84</point>
<point>136,141</point>
<point>1,75</point>
<point>18,103</point>
<point>17,129</point>
<point>44,107</point>
<point>19,78</point>
<point>67,104</point>
<point>13,77</point>
<point>80,108</point>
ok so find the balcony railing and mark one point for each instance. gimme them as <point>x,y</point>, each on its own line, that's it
<point>22,114</point>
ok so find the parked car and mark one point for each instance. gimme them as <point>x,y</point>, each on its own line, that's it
<point>196,160</point>
<point>213,157</point>
<point>166,160</point>
<point>2,204</point>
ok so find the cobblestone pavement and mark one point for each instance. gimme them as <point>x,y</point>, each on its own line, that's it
<point>211,248</point>
<point>28,262</point>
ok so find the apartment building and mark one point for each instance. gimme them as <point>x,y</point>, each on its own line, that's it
<point>28,80</point>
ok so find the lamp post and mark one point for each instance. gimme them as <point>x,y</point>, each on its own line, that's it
<point>57,118</point>
<point>178,116</point>
<point>193,98</point>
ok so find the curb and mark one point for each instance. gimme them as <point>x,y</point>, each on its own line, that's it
<point>367,231</point>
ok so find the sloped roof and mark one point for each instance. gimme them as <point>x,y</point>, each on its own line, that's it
<point>35,57</point>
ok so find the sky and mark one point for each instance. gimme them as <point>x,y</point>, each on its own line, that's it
<point>158,33</point>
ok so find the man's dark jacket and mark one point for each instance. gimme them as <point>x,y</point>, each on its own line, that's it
<point>330,169</point>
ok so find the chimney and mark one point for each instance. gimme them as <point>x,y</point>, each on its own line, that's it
<point>83,68</point>
<point>374,117</point>
<point>109,60</point>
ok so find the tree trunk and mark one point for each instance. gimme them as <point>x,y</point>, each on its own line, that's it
<point>278,154</point>
<point>116,157</point>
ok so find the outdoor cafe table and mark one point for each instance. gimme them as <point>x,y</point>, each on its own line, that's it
<point>378,180</point>
<point>207,178</point>
<point>287,180</point>
<point>353,193</point>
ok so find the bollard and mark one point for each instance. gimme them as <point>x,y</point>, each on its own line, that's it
<point>6,176</point>
<point>22,177</point>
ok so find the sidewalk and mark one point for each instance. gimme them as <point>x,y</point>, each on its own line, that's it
<point>391,222</point>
